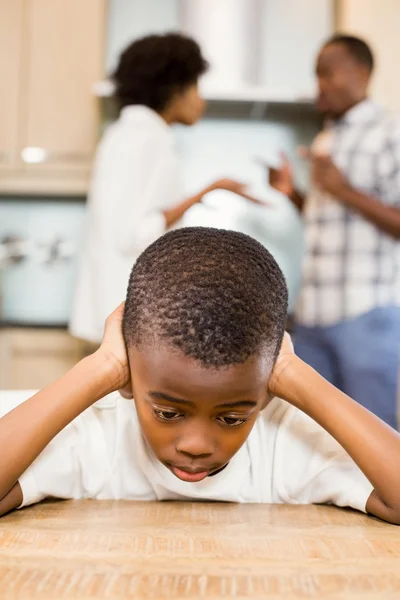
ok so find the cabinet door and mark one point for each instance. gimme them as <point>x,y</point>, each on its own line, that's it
<point>11,19</point>
<point>65,58</point>
<point>32,359</point>
<point>378,23</point>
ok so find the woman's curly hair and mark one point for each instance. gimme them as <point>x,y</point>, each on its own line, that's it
<point>154,68</point>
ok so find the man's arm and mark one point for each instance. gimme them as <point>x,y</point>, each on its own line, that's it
<point>329,178</point>
<point>386,218</point>
<point>30,427</point>
<point>298,199</point>
<point>373,445</point>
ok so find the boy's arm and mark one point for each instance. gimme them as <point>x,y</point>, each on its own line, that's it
<point>30,427</point>
<point>373,445</point>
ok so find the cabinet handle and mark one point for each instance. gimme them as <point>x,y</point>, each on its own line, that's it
<point>34,155</point>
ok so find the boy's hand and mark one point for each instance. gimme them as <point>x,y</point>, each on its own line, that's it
<point>278,382</point>
<point>114,350</point>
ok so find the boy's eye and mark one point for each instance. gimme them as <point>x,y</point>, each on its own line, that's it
<point>166,415</point>
<point>231,421</point>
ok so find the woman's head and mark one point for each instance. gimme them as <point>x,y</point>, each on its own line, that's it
<point>162,72</point>
<point>204,320</point>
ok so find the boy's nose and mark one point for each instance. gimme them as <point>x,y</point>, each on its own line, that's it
<point>195,444</point>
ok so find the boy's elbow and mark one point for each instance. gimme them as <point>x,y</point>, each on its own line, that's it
<point>394,516</point>
<point>12,500</point>
<point>382,510</point>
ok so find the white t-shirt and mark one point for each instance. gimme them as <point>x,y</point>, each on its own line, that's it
<point>287,458</point>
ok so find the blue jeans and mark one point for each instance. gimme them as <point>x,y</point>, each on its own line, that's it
<point>361,357</point>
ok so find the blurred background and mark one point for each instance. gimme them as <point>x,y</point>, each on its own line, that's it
<point>56,101</point>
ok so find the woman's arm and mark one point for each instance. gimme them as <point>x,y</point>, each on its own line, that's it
<point>373,445</point>
<point>173,215</point>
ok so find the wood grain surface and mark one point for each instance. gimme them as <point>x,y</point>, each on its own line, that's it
<point>177,550</point>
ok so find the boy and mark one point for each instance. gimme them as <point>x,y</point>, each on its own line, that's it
<point>203,324</point>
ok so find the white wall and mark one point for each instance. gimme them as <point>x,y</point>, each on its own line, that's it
<point>130,19</point>
<point>292,33</point>
<point>223,148</point>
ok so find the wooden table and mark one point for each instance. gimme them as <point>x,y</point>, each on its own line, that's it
<point>175,550</point>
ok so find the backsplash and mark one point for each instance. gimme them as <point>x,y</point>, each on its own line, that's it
<point>38,288</point>
<point>224,148</point>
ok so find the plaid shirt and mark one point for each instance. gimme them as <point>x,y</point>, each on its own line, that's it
<point>352,267</point>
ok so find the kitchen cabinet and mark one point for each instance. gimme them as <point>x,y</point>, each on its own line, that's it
<point>51,54</point>
<point>377,22</point>
<point>11,15</point>
<point>34,358</point>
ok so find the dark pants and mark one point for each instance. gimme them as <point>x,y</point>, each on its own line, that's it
<point>361,357</point>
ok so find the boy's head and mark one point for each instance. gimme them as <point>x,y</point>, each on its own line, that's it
<point>162,72</point>
<point>204,320</point>
<point>344,68</point>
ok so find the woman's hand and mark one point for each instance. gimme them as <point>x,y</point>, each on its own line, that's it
<point>236,187</point>
<point>114,350</point>
<point>230,185</point>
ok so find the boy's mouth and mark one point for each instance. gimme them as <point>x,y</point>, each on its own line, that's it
<point>189,476</point>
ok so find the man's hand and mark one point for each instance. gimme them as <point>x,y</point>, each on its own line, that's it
<point>114,350</point>
<point>281,179</point>
<point>328,177</point>
<point>278,382</point>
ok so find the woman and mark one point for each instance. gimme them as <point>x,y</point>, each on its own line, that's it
<point>136,193</point>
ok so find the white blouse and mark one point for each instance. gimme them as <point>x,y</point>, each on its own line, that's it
<point>136,177</point>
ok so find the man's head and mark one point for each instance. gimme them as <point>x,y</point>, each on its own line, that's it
<point>204,320</point>
<point>344,68</point>
<point>162,72</point>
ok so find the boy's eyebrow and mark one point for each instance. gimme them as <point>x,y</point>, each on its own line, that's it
<point>250,403</point>
<point>162,396</point>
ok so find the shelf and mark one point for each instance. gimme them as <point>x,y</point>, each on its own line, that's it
<point>248,103</point>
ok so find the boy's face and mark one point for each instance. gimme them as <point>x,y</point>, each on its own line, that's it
<point>195,419</point>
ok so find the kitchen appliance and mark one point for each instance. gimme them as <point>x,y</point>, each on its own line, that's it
<point>260,51</point>
<point>40,242</point>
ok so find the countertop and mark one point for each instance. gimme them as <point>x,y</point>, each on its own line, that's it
<point>177,550</point>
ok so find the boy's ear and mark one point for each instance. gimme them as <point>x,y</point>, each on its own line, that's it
<point>127,392</point>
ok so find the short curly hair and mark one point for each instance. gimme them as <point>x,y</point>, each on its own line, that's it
<point>356,47</point>
<point>154,68</point>
<point>216,295</point>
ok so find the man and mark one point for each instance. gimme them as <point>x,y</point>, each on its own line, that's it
<point>349,312</point>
